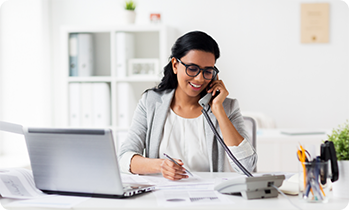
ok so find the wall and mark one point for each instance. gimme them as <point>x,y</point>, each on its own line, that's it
<point>25,68</point>
<point>263,63</point>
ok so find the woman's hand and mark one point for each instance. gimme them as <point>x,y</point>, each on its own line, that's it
<point>217,102</point>
<point>172,171</point>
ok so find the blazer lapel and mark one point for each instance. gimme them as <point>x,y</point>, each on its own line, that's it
<point>159,119</point>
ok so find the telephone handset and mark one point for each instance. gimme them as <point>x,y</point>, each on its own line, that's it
<point>207,98</point>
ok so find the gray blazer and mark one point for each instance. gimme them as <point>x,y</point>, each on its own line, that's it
<point>146,131</point>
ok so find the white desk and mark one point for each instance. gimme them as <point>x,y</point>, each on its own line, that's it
<point>277,152</point>
<point>148,201</point>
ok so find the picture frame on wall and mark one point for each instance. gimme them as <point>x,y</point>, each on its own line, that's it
<point>143,67</point>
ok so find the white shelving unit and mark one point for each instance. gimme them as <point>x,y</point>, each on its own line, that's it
<point>150,42</point>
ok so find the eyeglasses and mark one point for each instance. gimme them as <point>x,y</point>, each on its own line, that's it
<point>193,70</point>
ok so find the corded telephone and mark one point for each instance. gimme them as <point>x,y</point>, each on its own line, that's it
<point>250,187</point>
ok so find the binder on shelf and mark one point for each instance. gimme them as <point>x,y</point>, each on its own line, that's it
<point>81,54</point>
<point>101,104</point>
<point>74,104</point>
<point>86,104</point>
<point>85,53</point>
<point>124,51</point>
<point>89,104</point>
<point>73,55</point>
<point>125,104</point>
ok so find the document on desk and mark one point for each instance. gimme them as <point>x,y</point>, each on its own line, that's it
<point>190,197</point>
<point>192,191</point>
<point>53,201</point>
<point>10,127</point>
<point>195,182</point>
<point>18,183</point>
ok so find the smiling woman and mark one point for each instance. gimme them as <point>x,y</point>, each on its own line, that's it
<point>189,77</point>
<point>168,118</point>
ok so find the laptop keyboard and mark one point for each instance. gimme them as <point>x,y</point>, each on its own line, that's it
<point>134,189</point>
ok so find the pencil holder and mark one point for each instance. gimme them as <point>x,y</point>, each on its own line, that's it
<point>314,181</point>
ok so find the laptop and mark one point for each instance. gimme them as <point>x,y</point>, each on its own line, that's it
<point>79,162</point>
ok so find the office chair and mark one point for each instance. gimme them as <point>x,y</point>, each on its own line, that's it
<point>251,128</point>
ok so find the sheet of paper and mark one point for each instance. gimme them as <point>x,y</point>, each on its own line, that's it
<point>130,178</point>
<point>52,201</point>
<point>18,183</point>
<point>195,182</point>
<point>10,127</point>
<point>190,197</point>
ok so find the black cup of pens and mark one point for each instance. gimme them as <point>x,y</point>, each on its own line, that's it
<point>314,180</point>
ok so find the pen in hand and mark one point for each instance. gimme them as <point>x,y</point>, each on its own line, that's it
<point>168,157</point>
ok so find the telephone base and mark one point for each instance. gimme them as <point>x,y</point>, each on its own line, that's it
<point>259,194</point>
<point>252,187</point>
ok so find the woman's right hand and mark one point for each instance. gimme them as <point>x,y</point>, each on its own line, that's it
<point>172,171</point>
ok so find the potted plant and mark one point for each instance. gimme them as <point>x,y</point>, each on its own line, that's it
<point>129,12</point>
<point>340,139</point>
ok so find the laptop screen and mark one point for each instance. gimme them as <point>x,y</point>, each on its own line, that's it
<point>74,160</point>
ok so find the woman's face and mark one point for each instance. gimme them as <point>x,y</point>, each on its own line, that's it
<point>192,86</point>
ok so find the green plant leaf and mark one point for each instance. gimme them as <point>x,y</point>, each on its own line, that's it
<point>130,5</point>
<point>340,139</point>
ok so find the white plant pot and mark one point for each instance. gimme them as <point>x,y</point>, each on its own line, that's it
<point>128,17</point>
<point>341,186</point>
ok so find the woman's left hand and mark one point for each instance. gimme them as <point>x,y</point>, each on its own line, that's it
<point>215,86</point>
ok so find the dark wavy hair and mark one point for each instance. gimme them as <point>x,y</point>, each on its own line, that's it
<point>195,40</point>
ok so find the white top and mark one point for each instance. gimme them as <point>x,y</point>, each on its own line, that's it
<point>184,139</point>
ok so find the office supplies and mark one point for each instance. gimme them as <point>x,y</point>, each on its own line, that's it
<point>18,183</point>
<point>73,54</point>
<point>80,162</point>
<point>85,55</point>
<point>74,104</point>
<point>11,127</point>
<point>125,44</point>
<point>89,104</point>
<point>81,54</point>
<point>86,102</point>
<point>168,157</point>
<point>124,109</point>
<point>101,111</point>
<point>252,187</point>
<point>313,190</point>
<point>315,172</point>
<point>302,159</point>
<point>328,152</point>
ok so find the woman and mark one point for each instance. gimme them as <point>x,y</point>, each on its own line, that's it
<point>168,118</point>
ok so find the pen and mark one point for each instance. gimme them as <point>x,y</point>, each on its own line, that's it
<point>168,157</point>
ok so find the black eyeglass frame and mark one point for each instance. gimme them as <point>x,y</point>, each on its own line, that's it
<point>215,69</point>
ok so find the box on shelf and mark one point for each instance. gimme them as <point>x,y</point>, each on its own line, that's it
<point>143,67</point>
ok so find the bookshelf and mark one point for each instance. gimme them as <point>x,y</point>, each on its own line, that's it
<point>122,76</point>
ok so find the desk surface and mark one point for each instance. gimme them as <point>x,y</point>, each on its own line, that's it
<point>148,201</point>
